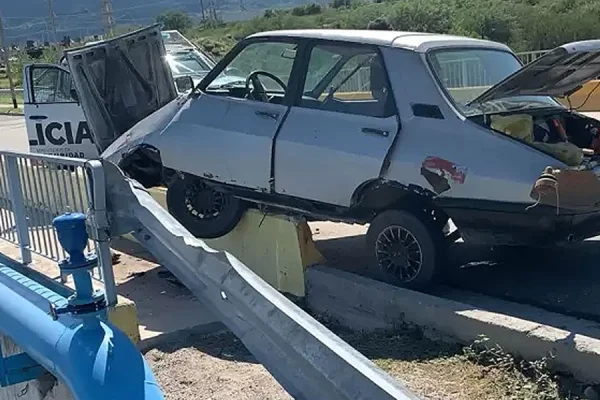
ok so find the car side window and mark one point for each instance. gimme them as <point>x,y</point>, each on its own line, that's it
<point>51,85</point>
<point>260,71</point>
<point>347,79</point>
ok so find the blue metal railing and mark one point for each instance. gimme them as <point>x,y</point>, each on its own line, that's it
<point>70,336</point>
<point>93,358</point>
<point>36,188</point>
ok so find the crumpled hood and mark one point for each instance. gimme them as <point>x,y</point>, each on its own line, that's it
<point>558,73</point>
<point>145,130</point>
<point>121,81</point>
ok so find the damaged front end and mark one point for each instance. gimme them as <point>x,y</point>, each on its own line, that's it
<point>127,92</point>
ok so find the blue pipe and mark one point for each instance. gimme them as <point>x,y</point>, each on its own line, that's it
<point>94,359</point>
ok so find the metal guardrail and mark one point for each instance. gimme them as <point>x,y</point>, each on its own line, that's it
<point>36,188</point>
<point>307,359</point>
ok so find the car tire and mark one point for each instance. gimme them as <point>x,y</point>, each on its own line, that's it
<point>203,210</point>
<point>407,250</point>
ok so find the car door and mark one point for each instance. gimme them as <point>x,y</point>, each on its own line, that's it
<point>227,133</point>
<point>54,118</point>
<point>338,133</point>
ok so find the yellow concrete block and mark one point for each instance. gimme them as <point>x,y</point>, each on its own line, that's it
<point>277,247</point>
<point>124,316</point>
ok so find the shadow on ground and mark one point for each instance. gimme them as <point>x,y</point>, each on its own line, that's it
<point>559,280</point>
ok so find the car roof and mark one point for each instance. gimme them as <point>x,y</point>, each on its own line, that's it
<point>416,41</point>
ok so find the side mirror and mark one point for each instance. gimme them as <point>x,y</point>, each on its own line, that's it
<point>184,84</point>
<point>74,95</point>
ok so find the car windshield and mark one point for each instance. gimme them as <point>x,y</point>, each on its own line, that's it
<point>467,73</point>
<point>189,62</point>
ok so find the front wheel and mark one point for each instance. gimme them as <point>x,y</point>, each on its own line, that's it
<point>407,250</point>
<point>206,212</point>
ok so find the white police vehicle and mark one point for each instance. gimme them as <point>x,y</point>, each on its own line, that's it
<point>54,118</point>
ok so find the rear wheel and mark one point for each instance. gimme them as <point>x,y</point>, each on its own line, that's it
<point>406,249</point>
<point>203,210</point>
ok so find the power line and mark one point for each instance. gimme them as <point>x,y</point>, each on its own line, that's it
<point>52,21</point>
<point>108,17</point>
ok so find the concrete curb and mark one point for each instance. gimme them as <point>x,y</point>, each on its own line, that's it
<point>364,304</point>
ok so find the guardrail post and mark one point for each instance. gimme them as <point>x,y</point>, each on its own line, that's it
<point>18,207</point>
<point>98,228</point>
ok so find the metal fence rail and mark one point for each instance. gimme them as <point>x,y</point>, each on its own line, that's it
<point>460,73</point>
<point>530,56</point>
<point>34,189</point>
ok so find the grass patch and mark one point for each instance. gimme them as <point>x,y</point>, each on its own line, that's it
<point>6,98</point>
<point>430,369</point>
<point>436,370</point>
<point>4,109</point>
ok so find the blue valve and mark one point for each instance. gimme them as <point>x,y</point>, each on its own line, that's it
<point>73,237</point>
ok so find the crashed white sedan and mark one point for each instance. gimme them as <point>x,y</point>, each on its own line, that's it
<point>401,130</point>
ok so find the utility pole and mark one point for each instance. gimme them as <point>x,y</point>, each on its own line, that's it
<point>108,18</point>
<point>52,21</point>
<point>213,10</point>
<point>242,6</point>
<point>203,10</point>
<point>5,52</point>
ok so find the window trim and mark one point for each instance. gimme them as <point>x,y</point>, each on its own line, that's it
<point>238,48</point>
<point>32,85</point>
<point>310,45</point>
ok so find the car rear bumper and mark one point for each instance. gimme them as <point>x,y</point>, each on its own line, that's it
<point>496,224</point>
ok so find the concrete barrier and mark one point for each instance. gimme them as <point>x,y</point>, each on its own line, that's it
<point>277,247</point>
<point>364,304</point>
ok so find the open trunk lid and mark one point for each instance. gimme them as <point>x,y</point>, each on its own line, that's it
<point>121,81</point>
<point>558,73</point>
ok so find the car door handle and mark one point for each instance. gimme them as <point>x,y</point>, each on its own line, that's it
<point>38,117</point>
<point>267,114</point>
<point>375,132</point>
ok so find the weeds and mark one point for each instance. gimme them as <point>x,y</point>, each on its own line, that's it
<point>523,374</point>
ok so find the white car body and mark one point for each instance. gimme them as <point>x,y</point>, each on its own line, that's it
<point>404,149</point>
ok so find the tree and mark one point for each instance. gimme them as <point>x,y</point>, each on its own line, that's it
<point>380,24</point>
<point>341,3</point>
<point>175,20</point>
<point>307,9</point>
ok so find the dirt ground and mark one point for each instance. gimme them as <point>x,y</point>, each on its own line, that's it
<point>218,367</point>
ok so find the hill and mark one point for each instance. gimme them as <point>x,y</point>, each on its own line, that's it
<point>29,19</point>
<point>525,25</point>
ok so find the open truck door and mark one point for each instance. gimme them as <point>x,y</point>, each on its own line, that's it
<point>121,81</point>
<point>55,121</point>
